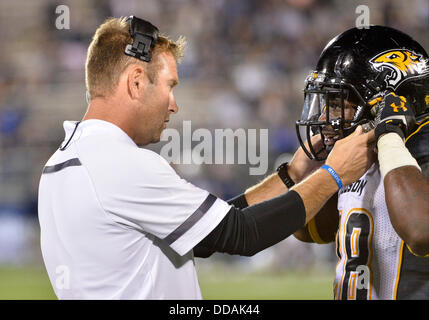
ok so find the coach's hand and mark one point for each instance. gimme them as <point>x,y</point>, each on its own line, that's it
<point>393,114</point>
<point>352,156</point>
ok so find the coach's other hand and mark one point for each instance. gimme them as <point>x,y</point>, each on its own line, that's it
<point>352,156</point>
<point>301,165</point>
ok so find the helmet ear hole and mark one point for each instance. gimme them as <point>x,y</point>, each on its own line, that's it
<point>353,98</point>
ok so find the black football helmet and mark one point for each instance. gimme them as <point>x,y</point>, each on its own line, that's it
<point>354,67</point>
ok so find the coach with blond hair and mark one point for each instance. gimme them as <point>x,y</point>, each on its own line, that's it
<point>116,220</point>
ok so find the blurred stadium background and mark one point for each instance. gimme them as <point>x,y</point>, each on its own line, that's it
<point>244,67</point>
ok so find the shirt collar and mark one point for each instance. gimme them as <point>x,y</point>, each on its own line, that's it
<point>93,127</point>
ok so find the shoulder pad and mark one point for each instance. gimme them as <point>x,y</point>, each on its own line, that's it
<point>418,141</point>
<point>423,117</point>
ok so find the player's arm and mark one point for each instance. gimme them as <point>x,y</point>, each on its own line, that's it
<point>407,199</point>
<point>405,174</point>
<point>323,227</point>
<point>260,225</point>
<point>406,183</point>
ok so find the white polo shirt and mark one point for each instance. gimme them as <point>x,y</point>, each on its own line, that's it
<point>116,220</point>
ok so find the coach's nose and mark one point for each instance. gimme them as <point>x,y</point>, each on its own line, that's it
<point>173,107</point>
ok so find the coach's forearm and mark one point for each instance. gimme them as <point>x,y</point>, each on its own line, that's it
<point>269,188</point>
<point>248,231</point>
<point>315,191</point>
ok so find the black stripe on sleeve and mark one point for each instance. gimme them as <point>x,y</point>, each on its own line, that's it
<point>60,166</point>
<point>192,220</point>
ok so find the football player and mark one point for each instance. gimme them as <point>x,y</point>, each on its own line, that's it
<point>376,77</point>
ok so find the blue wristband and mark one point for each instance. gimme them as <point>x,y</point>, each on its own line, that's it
<point>334,175</point>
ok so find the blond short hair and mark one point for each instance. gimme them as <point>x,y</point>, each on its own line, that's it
<point>106,59</point>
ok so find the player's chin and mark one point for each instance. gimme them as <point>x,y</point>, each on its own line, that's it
<point>330,137</point>
<point>329,141</point>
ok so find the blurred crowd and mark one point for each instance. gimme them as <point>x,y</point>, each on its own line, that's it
<point>244,67</point>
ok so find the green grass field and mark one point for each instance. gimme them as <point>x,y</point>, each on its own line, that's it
<point>264,286</point>
<point>33,283</point>
<point>25,283</point>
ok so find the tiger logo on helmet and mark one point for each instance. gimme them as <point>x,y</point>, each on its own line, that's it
<point>404,64</point>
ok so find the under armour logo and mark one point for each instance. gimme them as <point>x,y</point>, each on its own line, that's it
<point>402,103</point>
<point>401,106</point>
<point>335,122</point>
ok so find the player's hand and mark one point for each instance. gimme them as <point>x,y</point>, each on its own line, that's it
<point>393,114</point>
<point>301,166</point>
<point>352,156</point>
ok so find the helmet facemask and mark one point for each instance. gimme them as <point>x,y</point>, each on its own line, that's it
<point>332,109</point>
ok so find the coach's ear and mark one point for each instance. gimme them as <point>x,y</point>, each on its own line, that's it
<point>136,81</point>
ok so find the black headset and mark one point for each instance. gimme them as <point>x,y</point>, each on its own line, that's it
<point>145,36</point>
